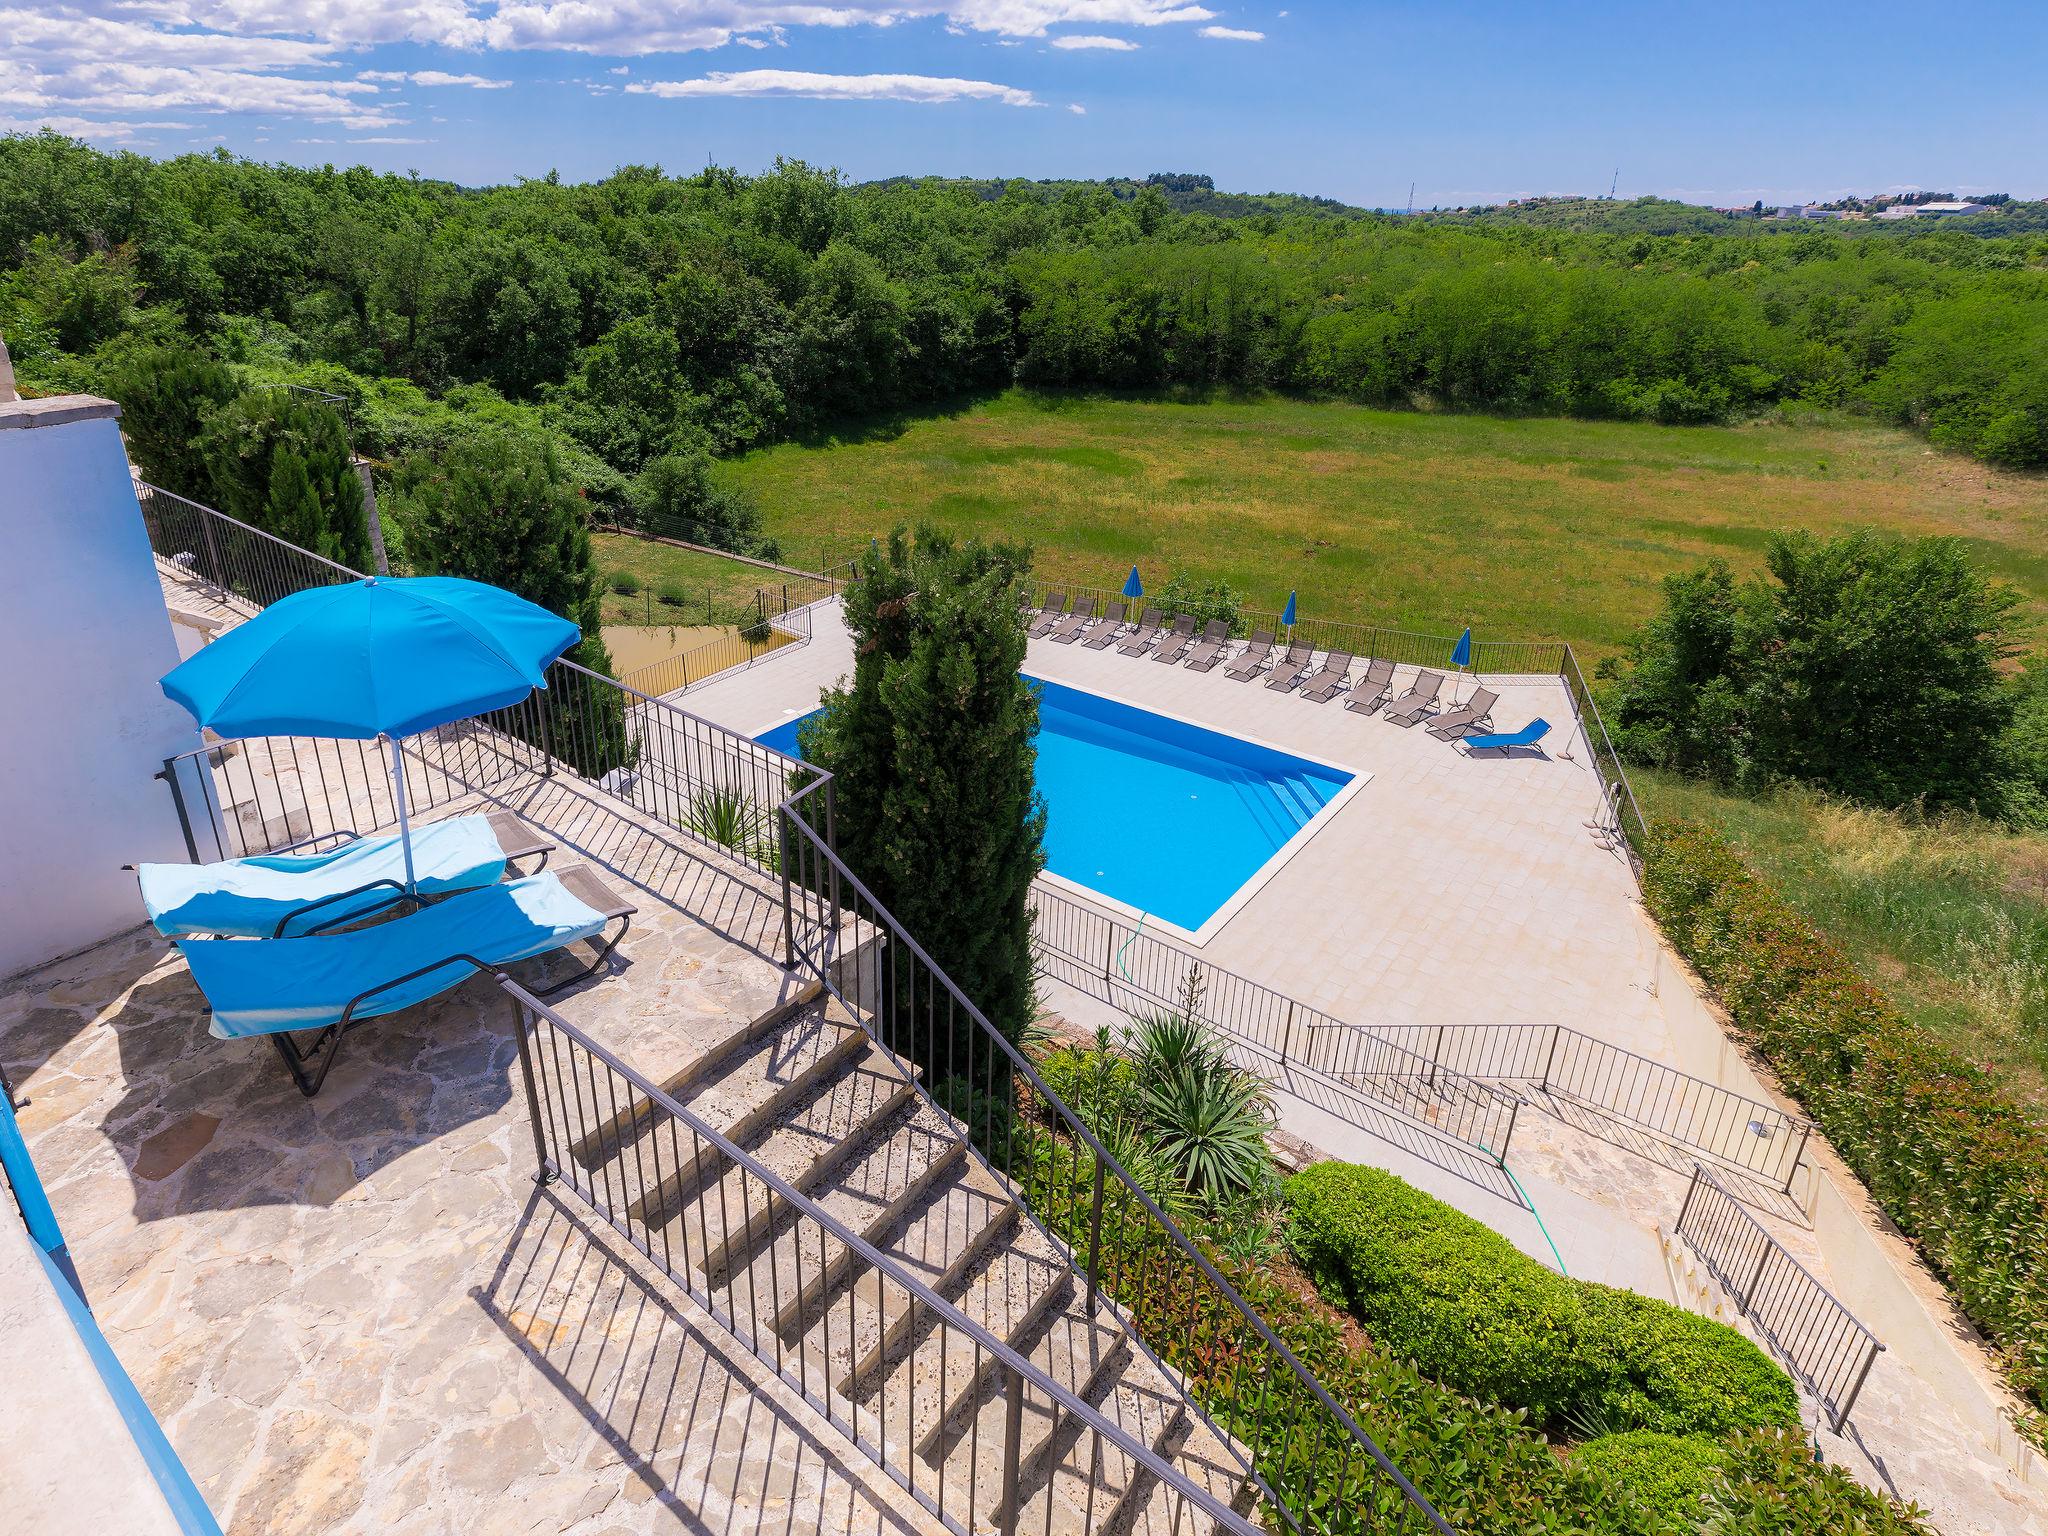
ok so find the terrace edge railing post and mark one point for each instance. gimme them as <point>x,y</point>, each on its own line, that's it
<point>1840,1416</point>
<point>788,897</point>
<point>1549,1061</point>
<point>220,576</point>
<point>1756,1280</point>
<point>1095,1239</point>
<point>544,1171</point>
<point>1013,1435</point>
<point>169,774</point>
<point>1685,1206</point>
<point>1798,1157</point>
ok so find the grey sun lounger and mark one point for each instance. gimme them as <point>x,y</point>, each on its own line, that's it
<point>1329,682</point>
<point>1468,719</point>
<point>1049,615</point>
<point>1110,626</point>
<point>1288,670</point>
<point>1371,690</point>
<point>1147,632</point>
<point>265,895</point>
<point>1177,640</point>
<point>1254,657</point>
<point>1209,649</point>
<point>326,982</point>
<point>1414,704</point>
<point>1078,620</point>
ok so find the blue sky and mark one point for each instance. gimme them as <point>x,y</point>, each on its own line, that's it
<point>1472,102</point>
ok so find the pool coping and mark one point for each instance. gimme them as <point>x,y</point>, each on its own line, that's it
<point>1257,880</point>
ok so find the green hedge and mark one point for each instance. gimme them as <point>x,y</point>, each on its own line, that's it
<point>1955,1161</point>
<point>1650,1484</point>
<point>1474,1312</point>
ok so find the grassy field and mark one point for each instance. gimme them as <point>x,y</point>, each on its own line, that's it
<point>1949,918</point>
<point>1534,529</point>
<point>726,585</point>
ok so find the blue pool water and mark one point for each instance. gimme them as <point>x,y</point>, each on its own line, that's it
<point>1155,813</point>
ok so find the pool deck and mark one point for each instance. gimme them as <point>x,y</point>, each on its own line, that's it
<point>1450,889</point>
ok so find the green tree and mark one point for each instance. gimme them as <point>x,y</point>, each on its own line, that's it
<point>498,507</point>
<point>164,394</point>
<point>680,495</point>
<point>1865,665</point>
<point>240,442</point>
<point>932,746</point>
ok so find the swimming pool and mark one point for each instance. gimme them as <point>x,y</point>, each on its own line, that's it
<point>1171,819</point>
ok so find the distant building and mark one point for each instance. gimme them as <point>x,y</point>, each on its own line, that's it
<point>1807,211</point>
<point>1932,210</point>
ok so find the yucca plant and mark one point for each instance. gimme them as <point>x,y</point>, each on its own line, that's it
<point>1208,1122</point>
<point>732,820</point>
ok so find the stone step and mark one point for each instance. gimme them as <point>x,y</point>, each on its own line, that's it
<point>814,1138</point>
<point>611,1129</point>
<point>741,1095</point>
<point>858,1332</point>
<point>870,1192</point>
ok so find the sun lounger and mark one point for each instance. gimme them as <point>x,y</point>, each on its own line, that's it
<point>1468,719</point>
<point>1371,690</point>
<point>1141,640</point>
<point>1078,620</point>
<point>1049,615</point>
<point>1108,629</point>
<point>1527,736</point>
<point>327,982</point>
<point>1288,670</point>
<point>1209,649</point>
<point>1329,682</point>
<point>1254,657</point>
<point>263,896</point>
<point>1414,704</point>
<point>1173,644</point>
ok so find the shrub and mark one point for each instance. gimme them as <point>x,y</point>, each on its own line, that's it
<point>1472,1311</point>
<point>1770,1485</point>
<point>672,594</point>
<point>679,495</point>
<point>1650,1484</point>
<point>1203,600</point>
<point>1955,1161</point>
<point>625,583</point>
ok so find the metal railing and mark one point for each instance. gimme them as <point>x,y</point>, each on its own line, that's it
<point>623,1145</point>
<point>1742,1135</point>
<point>1125,966</point>
<point>775,624</point>
<point>234,560</point>
<point>1134,1256</point>
<point>1617,796</point>
<point>720,787</point>
<point>1820,1340</point>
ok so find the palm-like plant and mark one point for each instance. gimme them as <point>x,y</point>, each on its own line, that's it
<point>732,820</point>
<point>1209,1121</point>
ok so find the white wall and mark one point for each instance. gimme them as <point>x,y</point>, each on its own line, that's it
<point>84,636</point>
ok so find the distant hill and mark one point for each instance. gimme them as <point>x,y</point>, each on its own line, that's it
<point>1601,215</point>
<point>1185,192</point>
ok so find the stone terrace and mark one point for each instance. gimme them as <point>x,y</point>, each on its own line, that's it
<point>358,1312</point>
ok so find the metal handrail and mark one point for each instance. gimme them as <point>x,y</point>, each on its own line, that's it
<point>1807,1326</point>
<point>1286,1018</point>
<point>794,823</point>
<point>1019,1367</point>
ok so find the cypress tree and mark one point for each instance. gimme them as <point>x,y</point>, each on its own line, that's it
<point>933,745</point>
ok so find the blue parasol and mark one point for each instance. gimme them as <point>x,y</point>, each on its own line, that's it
<point>1132,586</point>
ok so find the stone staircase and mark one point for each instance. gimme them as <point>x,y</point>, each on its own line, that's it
<point>805,1092</point>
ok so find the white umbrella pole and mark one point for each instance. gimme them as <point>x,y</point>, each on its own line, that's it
<point>404,829</point>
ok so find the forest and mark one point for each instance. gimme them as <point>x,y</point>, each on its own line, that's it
<point>650,317</point>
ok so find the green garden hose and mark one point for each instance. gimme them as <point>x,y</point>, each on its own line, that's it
<point>1125,948</point>
<point>1502,1164</point>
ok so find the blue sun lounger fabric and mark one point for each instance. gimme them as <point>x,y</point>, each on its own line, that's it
<point>1527,736</point>
<point>252,896</point>
<point>270,985</point>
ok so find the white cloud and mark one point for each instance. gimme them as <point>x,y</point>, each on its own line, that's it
<point>1088,40</point>
<point>1077,109</point>
<point>1233,34</point>
<point>85,127</point>
<point>433,77</point>
<point>817,87</point>
<point>623,69</point>
<point>385,138</point>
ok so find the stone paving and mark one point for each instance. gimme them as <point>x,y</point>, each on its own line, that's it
<point>357,1312</point>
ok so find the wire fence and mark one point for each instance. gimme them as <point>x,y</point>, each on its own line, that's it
<point>775,624</point>
<point>1819,1339</point>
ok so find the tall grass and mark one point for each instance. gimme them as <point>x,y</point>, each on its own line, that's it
<point>1948,916</point>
